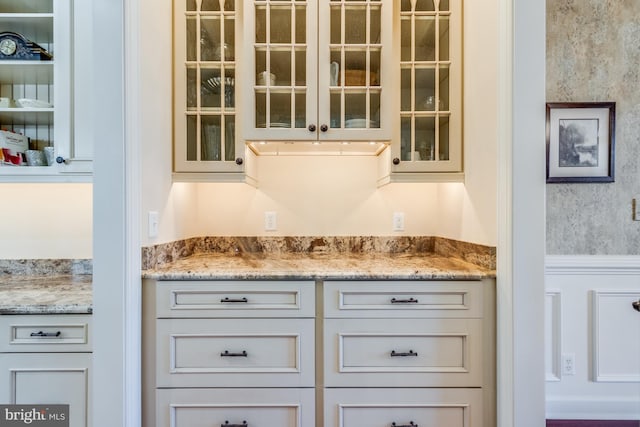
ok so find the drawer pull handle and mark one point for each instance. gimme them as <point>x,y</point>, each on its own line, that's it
<point>636,305</point>
<point>227,299</point>
<point>410,353</point>
<point>227,354</point>
<point>226,424</point>
<point>411,424</point>
<point>45,334</point>
<point>404,301</point>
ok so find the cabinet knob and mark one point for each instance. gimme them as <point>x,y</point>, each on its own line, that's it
<point>396,161</point>
<point>324,128</point>
<point>636,305</point>
<point>61,160</point>
<point>239,161</point>
<point>312,128</point>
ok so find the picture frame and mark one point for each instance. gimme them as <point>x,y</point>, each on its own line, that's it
<point>580,142</point>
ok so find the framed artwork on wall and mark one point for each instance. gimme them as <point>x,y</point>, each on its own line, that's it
<point>580,142</point>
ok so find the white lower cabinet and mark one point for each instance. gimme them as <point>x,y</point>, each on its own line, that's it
<point>281,407</point>
<point>377,407</point>
<point>379,353</point>
<point>47,360</point>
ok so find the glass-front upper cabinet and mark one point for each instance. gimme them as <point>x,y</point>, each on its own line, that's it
<point>320,70</point>
<point>205,86</point>
<point>430,72</point>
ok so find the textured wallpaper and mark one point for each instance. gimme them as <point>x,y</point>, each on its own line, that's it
<point>593,54</point>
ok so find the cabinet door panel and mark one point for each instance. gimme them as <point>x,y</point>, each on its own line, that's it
<point>235,299</point>
<point>256,407</point>
<point>403,352</point>
<point>422,407</point>
<point>432,299</point>
<point>235,352</point>
<point>61,378</point>
<point>31,333</point>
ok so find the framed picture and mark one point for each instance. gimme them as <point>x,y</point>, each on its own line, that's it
<point>580,142</point>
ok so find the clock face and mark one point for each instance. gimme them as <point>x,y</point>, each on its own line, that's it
<point>8,46</point>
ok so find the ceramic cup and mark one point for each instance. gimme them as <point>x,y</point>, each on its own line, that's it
<point>50,155</point>
<point>35,158</point>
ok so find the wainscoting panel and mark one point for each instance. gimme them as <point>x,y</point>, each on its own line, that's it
<point>589,315</point>
<point>616,327</point>
<point>553,334</point>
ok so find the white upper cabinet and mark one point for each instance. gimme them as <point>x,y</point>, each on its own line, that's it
<point>205,75</point>
<point>428,63</point>
<point>327,77</point>
<point>318,71</point>
<point>38,97</point>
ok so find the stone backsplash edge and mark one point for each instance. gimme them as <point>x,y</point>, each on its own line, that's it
<point>156,255</point>
<point>37,267</point>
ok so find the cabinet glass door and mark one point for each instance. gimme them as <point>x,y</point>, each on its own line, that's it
<point>352,75</point>
<point>283,40</point>
<point>205,85</point>
<point>430,84</point>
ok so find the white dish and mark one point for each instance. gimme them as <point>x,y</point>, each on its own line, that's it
<point>280,125</point>
<point>32,103</point>
<point>359,123</point>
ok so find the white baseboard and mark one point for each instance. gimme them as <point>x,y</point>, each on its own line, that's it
<point>593,409</point>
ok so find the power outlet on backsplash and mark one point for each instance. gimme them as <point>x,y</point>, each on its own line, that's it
<point>635,209</point>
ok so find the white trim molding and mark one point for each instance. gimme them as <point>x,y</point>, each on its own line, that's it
<point>592,264</point>
<point>554,327</point>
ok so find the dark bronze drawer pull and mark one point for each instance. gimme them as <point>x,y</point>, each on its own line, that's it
<point>404,301</point>
<point>226,424</point>
<point>227,299</point>
<point>45,334</point>
<point>636,305</point>
<point>411,353</point>
<point>411,424</point>
<point>227,354</point>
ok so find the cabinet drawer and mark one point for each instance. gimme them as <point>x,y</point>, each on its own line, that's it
<point>383,407</point>
<point>235,352</point>
<point>235,299</point>
<point>403,299</point>
<point>51,333</point>
<point>403,353</point>
<point>217,407</point>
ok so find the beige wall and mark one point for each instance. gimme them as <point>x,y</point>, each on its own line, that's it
<point>46,221</point>
<point>330,195</point>
<point>593,54</point>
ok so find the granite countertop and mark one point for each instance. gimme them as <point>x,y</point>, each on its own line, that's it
<point>347,258</point>
<point>45,294</point>
<point>46,286</point>
<point>65,286</point>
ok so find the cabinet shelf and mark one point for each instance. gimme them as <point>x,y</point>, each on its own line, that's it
<point>26,116</point>
<point>26,72</point>
<point>37,27</point>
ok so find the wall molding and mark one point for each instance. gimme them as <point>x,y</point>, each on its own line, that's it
<point>592,264</point>
<point>554,349</point>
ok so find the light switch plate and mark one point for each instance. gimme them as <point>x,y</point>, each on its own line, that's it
<point>398,221</point>
<point>270,221</point>
<point>154,224</point>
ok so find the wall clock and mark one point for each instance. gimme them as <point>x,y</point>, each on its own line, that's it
<point>17,47</point>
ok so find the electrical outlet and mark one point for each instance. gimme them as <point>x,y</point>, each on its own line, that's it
<point>398,221</point>
<point>635,209</point>
<point>568,364</point>
<point>270,221</point>
<point>153,225</point>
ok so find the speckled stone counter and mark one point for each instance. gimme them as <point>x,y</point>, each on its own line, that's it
<point>348,258</point>
<point>45,287</point>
